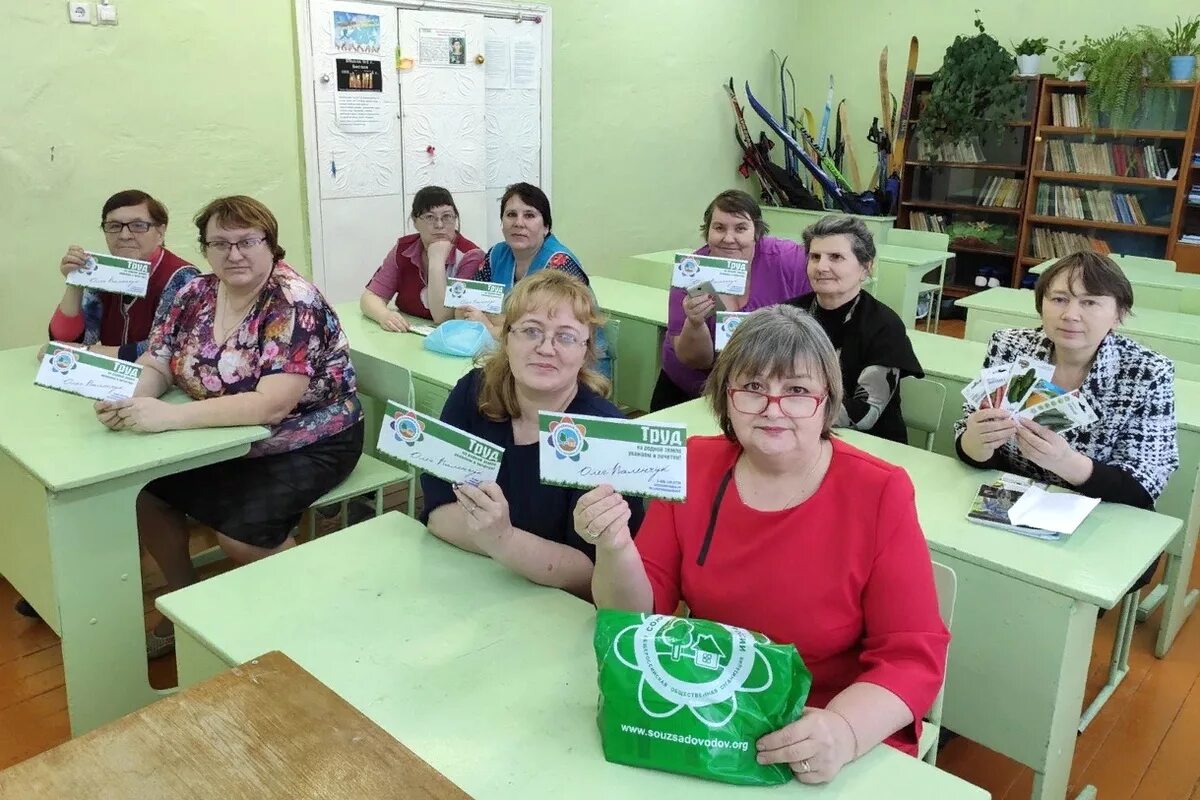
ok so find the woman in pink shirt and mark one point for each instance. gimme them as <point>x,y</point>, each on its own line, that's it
<point>415,270</point>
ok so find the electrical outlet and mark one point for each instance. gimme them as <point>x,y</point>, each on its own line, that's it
<point>79,12</point>
<point>106,13</point>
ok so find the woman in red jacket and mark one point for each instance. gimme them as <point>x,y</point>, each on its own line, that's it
<point>792,533</point>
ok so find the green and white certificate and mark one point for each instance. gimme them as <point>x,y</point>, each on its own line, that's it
<point>727,275</point>
<point>437,448</point>
<point>485,296</point>
<point>87,374</point>
<point>127,276</point>
<point>582,451</point>
<point>727,321</point>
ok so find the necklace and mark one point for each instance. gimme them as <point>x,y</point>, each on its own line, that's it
<point>796,496</point>
<point>226,327</point>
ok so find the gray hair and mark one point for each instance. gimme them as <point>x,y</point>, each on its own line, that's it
<point>862,244</point>
<point>768,343</point>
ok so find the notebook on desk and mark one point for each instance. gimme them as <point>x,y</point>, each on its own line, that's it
<point>1018,504</point>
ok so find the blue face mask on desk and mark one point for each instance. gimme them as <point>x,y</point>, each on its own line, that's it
<point>460,337</point>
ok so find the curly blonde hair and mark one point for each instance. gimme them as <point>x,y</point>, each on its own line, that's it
<point>548,289</point>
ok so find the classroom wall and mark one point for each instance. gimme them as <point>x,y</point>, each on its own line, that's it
<point>845,38</point>
<point>195,98</point>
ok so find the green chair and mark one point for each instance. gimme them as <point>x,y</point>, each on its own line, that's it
<point>921,403</point>
<point>946,584</point>
<point>1144,261</point>
<point>926,240</point>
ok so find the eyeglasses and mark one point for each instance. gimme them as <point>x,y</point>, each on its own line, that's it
<point>136,226</point>
<point>535,336</point>
<point>445,220</point>
<point>796,406</point>
<point>223,248</point>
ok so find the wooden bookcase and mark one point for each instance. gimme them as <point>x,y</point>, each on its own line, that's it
<point>1187,214</point>
<point>981,186</point>
<point>1107,188</point>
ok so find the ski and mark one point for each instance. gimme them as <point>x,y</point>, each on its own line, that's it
<point>823,134</point>
<point>751,156</point>
<point>851,161</point>
<point>885,111</point>
<point>901,140</point>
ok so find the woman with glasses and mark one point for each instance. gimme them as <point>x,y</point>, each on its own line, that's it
<point>252,344</point>
<point>134,226</point>
<point>545,361</point>
<point>414,272</point>
<point>795,534</point>
<point>871,341</point>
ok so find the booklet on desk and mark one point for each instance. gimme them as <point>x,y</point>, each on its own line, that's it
<point>1022,506</point>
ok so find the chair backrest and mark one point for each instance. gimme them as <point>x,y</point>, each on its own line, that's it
<point>924,240</point>
<point>1189,301</point>
<point>395,384</point>
<point>945,583</point>
<point>612,334</point>
<point>1186,370</point>
<point>921,403</point>
<point>1144,261</point>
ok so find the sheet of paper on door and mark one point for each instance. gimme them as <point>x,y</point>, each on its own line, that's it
<point>358,101</point>
<point>496,64</point>
<point>442,47</point>
<point>526,64</point>
<point>356,33</point>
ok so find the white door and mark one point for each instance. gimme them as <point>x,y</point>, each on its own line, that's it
<point>442,112</point>
<point>358,141</point>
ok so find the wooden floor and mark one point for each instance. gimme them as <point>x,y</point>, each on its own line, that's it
<point>1145,744</point>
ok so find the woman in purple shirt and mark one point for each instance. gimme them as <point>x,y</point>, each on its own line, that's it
<point>734,228</point>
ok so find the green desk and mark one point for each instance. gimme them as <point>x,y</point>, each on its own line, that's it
<point>956,362</point>
<point>647,269</point>
<point>789,223</point>
<point>493,685</point>
<point>1154,287</point>
<point>899,272</point>
<point>69,541</point>
<point>1025,610</point>
<point>1174,335</point>
<point>642,313</point>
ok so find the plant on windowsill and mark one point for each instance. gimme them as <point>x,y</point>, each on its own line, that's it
<point>973,94</point>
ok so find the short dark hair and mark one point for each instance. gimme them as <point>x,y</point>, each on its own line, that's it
<point>735,201</point>
<point>531,196</point>
<point>1098,273</point>
<point>431,197</point>
<point>862,244</point>
<point>135,197</point>
<point>240,211</point>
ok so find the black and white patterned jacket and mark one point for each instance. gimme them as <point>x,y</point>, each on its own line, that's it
<point>1132,391</point>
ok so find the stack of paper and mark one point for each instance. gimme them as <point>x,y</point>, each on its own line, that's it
<point>1017,504</point>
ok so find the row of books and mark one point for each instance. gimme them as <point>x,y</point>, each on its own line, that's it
<point>921,221</point>
<point>967,151</point>
<point>1002,192</point>
<point>1190,238</point>
<point>1103,205</point>
<point>1124,160</point>
<point>1194,195</point>
<point>1056,244</point>
<point>1068,110</point>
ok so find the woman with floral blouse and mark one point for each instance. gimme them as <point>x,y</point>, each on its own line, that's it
<point>252,344</point>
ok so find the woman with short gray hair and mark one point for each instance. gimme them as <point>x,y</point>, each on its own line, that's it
<point>791,532</point>
<point>871,340</point>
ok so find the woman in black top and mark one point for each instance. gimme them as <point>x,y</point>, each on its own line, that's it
<point>545,361</point>
<point>871,341</point>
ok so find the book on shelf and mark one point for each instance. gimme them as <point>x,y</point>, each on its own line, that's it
<point>1068,109</point>
<point>1108,158</point>
<point>1047,243</point>
<point>1002,192</point>
<point>968,151</point>
<point>1190,238</point>
<point>921,221</point>
<point>1101,205</point>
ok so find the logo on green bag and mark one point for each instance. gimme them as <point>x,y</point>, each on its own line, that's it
<point>408,428</point>
<point>567,438</point>
<point>700,671</point>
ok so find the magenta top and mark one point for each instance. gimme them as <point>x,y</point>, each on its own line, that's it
<point>778,272</point>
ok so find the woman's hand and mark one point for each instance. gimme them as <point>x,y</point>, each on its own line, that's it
<point>816,746</point>
<point>141,414</point>
<point>472,313</point>
<point>602,518</point>
<point>438,251</point>
<point>698,308</point>
<point>73,260</point>
<point>1052,452</point>
<point>987,429</point>
<point>394,322</point>
<point>486,510</point>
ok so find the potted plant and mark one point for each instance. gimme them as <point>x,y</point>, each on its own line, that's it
<point>1073,61</point>
<point>973,93</point>
<point>1180,43</point>
<point>1124,62</point>
<point>1029,55</point>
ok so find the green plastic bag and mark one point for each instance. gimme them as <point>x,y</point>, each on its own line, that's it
<point>693,696</point>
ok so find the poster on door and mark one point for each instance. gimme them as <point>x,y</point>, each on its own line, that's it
<point>355,33</point>
<point>358,102</point>
<point>442,47</point>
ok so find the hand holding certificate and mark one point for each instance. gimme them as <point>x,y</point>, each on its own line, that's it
<point>487,297</point>
<point>108,273</point>
<point>433,446</point>
<point>79,372</point>
<point>581,451</point>
<point>725,275</point>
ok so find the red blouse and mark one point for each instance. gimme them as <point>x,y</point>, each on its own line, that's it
<point>402,273</point>
<point>845,576</point>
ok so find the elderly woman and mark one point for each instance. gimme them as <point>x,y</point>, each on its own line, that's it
<point>545,362</point>
<point>414,272</point>
<point>134,225</point>
<point>871,341</point>
<point>795,534</point>
<point>252,344</point>
<point>1128,454</point>
<point>733,227</point>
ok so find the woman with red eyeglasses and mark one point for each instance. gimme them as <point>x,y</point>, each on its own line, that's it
<point>792,533</point>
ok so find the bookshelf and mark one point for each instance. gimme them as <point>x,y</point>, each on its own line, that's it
<point>973,191</point>
<point>1185,238</point>
<point>1113,190</point>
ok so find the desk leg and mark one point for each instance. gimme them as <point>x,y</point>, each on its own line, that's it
<point>1180,603</point>
<point>195,661</point>
<point>94,550</point>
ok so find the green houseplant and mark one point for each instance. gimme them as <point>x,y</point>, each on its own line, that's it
<point>1029,55</point>
<point>1116,79</point>
<point>1074,60</point>
<point>1180,44</point>
<point>972,93</point>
